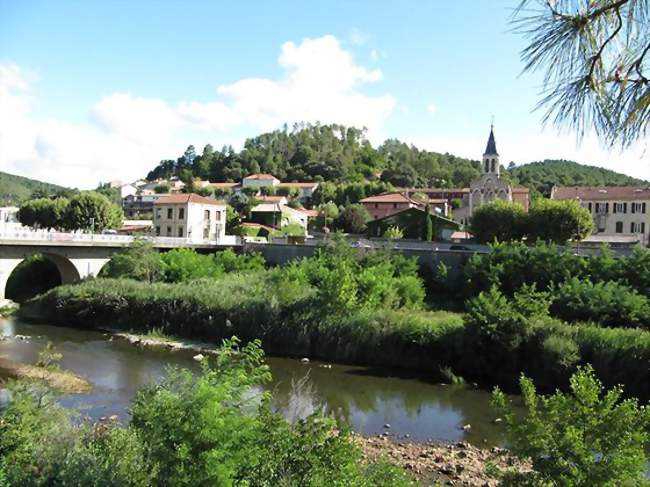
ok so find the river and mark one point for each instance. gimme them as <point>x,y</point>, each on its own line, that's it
<point>366,398</point>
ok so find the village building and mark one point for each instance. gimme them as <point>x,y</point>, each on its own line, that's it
<point>190,216</point>
<point>488,187</point>
<point>411,222</point>
<point>387,204</point>
<point>621,214</point>
<point>260,181</point>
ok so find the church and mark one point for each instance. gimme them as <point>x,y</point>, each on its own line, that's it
<point>488,187</point>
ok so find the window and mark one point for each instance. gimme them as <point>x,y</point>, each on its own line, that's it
<point>181,214</point>
<point>394,205</point>
<point>217,215</point>
<point>376,205</point>
<point>180,231</point>
<point>590,207</point>
<point>206,232</point>
<point>169,231</point>
<point>620,208</point>
<point>642,227</point>
<point>158,231</point>
<point>157,213</point>
<point>619,227</point>
<point>637,207</point>
<point>206,215</point>
<point>637,227</point>
<point>170,213</point>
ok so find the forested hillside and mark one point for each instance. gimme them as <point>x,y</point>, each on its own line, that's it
<point>323,152</point>
<point>14,190</point>
<point>343,155</point>
<point>541,176</point>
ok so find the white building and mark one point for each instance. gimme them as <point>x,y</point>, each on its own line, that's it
<point>9,220</point>
<point>260,181</point>
<point>190,216</point>
<point>619,212</point>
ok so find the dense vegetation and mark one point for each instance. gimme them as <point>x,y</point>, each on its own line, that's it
<point>542,176</point>
<point>546,221</point>
<point>322,153</point>
<point>15,190</point>
<point>88,210</point>
<point>369,309</point>
<point>214,428</point>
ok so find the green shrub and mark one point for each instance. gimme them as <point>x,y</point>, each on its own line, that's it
<point>588,437</point>
<point>608,303</point>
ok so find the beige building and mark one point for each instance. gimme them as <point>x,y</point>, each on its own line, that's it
<point>618,211</point>
<point>190,216</point>
<point>260,181</point>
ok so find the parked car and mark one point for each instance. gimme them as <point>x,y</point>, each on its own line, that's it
<point>459,247</point>
<point>109,231</point>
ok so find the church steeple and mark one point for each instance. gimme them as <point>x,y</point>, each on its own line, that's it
<point>491,156</point>
<point>491,148</point>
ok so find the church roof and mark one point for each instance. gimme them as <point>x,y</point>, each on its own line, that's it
<point>491,145</point>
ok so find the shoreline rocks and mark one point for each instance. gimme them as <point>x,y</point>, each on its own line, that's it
<point>173,345</point>
<point>459,464</point>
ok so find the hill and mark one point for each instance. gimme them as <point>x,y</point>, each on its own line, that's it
<point>315,152</point>
<point>541,176</point>
<point>16,189</point>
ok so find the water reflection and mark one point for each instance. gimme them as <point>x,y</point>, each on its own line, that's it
<point>365,398</point>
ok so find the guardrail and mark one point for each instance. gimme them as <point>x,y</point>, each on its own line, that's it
<point>50,236</point>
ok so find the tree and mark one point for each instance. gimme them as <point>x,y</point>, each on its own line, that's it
<point>587,437</point>
<point>141,261</point>
<point>353,219</point>
<point>596,57</point>
<point>498,220</point>
<point>90,210</point>
<point>162,188</point>
<point>43,213</point>
<point>427,225</point>
<point>393,233</point>
<point>558,221</point>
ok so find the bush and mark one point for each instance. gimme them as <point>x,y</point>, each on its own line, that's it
<point>588,437</point>
<point>608,303</point>
<point>212,428</point>
<point>498,220</point>
<point>558,221</point>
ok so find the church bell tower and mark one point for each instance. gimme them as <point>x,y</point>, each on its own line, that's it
<point>491,156</point>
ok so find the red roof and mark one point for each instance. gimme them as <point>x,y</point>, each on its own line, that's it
<point>261,176</point>
<point>391,198</point>
<point>298,185</point>
<point>600,193</point>
<point>269,198</point>
<point>182,198</point>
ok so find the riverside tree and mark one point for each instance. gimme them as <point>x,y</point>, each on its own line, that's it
<point>558,221</point>
<point>498,220</point>
<point>90,210</point>
<point>596,58</point>
<point>587,437</point>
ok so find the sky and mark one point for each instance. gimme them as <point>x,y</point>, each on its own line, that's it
<point>103,90</point>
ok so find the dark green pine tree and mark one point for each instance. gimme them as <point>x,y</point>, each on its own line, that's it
<point>427,225</point>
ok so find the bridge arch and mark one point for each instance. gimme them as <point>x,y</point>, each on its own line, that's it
<point>71,267</point>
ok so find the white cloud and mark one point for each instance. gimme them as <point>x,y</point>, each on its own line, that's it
<point>127,135</point>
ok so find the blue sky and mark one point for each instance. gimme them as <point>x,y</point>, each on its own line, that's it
<point>97,90</point>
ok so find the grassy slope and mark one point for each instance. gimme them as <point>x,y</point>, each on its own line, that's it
<point>16,189</point>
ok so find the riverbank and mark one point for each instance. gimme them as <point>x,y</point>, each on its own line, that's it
<point>447,464</point>
<point>60,380</point>
<point>290,321</point>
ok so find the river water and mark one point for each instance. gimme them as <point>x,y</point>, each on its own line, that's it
<point>366,398</point>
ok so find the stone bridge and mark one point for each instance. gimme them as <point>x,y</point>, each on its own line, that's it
<point>75,255</point>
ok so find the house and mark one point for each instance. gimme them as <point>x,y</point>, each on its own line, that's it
<point>274,199</point>
<point>387,204</point>
<point>411,222</point>
<point>617,211</point>
<point>260,181</point>
<point>140,204</point>
<point>127,190</point>
<point>9,220</point>
<point>190,216</point>
<point>279,216</point>
<point>305,190</point>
